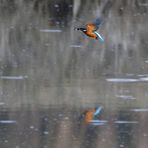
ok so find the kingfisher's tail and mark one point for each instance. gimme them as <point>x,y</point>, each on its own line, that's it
<point>101,39</point>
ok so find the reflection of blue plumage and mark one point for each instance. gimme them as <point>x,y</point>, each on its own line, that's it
<point>98,110</point>
<point>91,115</point>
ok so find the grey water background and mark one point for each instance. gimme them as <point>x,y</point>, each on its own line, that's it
<point>50,73</point>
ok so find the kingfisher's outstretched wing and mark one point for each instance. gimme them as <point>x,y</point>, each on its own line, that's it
<point>91,27</point>
<point>97,22</point>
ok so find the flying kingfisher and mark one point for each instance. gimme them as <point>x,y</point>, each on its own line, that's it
<point>90,30</point>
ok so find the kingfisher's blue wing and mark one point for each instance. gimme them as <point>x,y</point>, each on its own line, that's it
<point>97,23</point>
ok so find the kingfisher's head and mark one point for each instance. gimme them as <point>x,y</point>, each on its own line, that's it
<point>81,29</point>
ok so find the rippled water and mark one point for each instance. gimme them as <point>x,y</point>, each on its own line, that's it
<point>60,127</point>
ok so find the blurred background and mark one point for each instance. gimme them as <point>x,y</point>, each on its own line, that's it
<point>50,73</point>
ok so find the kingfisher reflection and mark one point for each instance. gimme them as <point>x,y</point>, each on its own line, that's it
<point>91,116</point>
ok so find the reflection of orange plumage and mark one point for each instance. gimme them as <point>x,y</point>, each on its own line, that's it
<point>89,114</point>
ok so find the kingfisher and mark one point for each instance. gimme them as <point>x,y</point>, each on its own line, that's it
<point>91,115</point>
<point>91,28</point>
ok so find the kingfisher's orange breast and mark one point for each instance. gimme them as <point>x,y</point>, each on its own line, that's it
<point>90,28</point>
<point>91,34</point>
<point>89,115</point>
